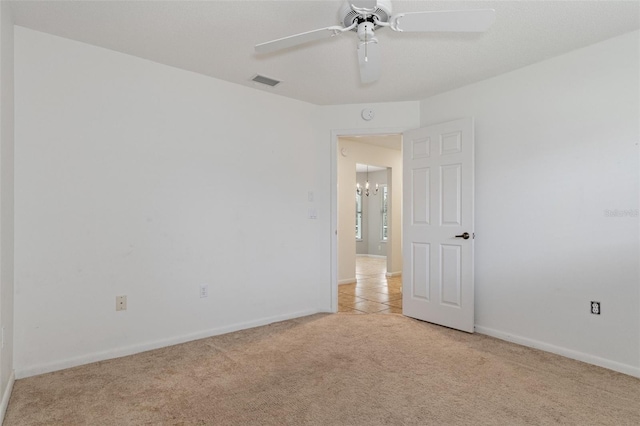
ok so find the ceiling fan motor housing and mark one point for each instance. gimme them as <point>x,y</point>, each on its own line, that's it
<point>365,31</point>
<point>347,16</point>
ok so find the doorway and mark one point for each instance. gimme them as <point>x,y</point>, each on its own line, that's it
<point>367,256</point>
<point>439,198</point>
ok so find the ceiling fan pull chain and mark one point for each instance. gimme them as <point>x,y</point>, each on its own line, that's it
<point>366,59</point>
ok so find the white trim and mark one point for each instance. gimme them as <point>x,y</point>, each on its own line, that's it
<point>558,350</point>
<point>134,349</point>
<point>6,396</point>
<point>333,151</point>
<point>347,281</point>
<point>394,274</point>
<point>375,256</point>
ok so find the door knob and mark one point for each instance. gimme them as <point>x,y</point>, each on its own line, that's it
<point>464,235</point>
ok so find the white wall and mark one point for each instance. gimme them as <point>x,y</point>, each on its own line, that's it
<point>358,152</point>
<point>556,147</point>
<point>138,179</point>
<point>6,203</point>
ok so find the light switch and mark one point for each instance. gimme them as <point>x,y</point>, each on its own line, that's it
<point>310,196</point>
<point>313,213</point>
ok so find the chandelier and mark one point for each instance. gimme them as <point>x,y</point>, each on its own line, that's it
<point>359,189</point>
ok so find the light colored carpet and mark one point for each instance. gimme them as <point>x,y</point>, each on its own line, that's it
<point>338,369</point>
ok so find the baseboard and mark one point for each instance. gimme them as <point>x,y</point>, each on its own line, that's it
<point>6,395</point>
<point>147,346</point>
<point>558,350</point>
<point>375,256</point>
<point>394,274</point>
<point>347,281</point>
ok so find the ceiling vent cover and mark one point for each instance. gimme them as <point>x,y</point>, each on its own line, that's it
<point>265,80</point>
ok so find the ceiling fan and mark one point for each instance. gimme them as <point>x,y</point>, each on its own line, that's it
<point>366,16</point>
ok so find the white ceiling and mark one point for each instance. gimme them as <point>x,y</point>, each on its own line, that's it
<point>217,38</point>
<point>363,168</point>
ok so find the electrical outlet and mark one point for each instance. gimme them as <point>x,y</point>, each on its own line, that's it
<point>121,303</point>
<point>204,290</point>
<point>595,308</point>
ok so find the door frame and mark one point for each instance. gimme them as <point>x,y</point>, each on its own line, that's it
<point>335,134</point>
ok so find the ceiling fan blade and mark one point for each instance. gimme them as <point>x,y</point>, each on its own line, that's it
<point>364,4</point>
<point>369,60</point>
<point>297,39</point>
<point>446,20</point>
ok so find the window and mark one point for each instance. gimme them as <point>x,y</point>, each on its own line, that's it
<point>358,216</point>
<point>383,212</point>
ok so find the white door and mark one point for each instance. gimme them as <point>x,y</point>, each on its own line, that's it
<point>438,187</point>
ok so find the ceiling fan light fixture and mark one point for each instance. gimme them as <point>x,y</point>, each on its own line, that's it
<point>347,16</point>
<point>265,80</point>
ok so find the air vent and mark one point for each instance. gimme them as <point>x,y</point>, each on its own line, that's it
<point>265,80</point>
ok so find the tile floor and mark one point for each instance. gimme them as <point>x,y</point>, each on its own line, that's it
<point>373,293</point>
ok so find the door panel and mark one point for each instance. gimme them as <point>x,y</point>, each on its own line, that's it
<point>420,259</point>
<point>450,191</point>
<point>438,164</point>
<point>421,210</point>
<point>450,278</point>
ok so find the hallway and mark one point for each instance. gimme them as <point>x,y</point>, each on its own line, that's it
<point>373,293</point>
